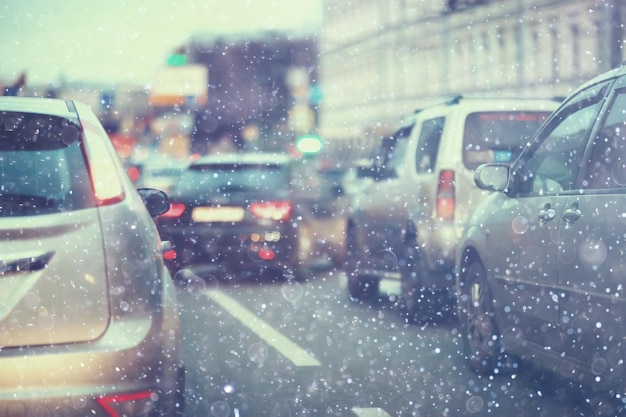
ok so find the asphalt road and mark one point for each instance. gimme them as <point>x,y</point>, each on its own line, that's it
<point>279,348</point>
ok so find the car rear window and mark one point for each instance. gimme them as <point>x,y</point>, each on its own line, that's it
<point>42,169</point>
<point>229,177</point>
<point>498,136</point>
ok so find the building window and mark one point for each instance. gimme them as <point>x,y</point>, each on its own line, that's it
<point>575,49</point>
<point>555,42</point>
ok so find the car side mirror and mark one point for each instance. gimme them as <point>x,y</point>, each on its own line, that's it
<point>492,177</point>
<point>156,201</point>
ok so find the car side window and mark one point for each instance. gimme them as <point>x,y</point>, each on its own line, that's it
<point>392,153</point>
<point>606,167</point>
<point>551,167</point>
<point>428,144</point>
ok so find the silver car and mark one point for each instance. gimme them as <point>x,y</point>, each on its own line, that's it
<point>407,223</point>
<point>88,312</point>
<point>541,263</point>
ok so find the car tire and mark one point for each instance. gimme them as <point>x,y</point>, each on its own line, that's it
<point>481,338</point>
<point>171,396</point>
<point>299,266</point>
<point>296,272</point>
<point>360,286</point>
<point>180,392</point>
<point>417,303</point>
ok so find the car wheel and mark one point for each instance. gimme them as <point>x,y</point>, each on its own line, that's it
<point>296,265</point>
<point>180,392</point>
<point>417,303</point>
<point>295,272</point>
<point>300,268</point>
<point>360,286</point>
<point>171,401</point>
<point>481,339</point>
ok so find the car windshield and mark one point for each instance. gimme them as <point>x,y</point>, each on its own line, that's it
<point>498,136</point>
<point>232,177</point>
<point>373,208</point>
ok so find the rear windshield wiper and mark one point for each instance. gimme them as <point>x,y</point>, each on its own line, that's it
<point>25,264</point>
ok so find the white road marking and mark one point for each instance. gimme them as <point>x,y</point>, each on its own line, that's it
<point>388,287</point>
<point>282,344</point>
<point>369,412</point>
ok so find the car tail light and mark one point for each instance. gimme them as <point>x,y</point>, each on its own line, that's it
<point>266,254</point>
<point>176,210</point>
<point>135,404</point>
<point>103,168</point>
<point>445,195</point>
<point>133,173</point>
<point>271,210</point>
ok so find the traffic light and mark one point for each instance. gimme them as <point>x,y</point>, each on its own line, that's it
<point>177,60</point>
<point>309,144</point>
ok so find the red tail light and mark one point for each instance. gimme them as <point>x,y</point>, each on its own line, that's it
<point>169,255</point>
<point>176,210</point>
<point>271,210</point>
<point>136,404</point>
<point>133,173</point>
<point>445,195</point>
<point>266,254</point>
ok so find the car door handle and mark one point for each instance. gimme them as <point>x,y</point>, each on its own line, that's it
<point>572,214</point>
<point>546,214</point>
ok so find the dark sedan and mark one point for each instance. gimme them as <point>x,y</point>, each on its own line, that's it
<point>237,213</point>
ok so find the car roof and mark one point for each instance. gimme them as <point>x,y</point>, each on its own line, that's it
<point>490,103</point>
<point>481,102</point>
<point>55,107</point>
<point>615,72</point>
<point>244,158</point>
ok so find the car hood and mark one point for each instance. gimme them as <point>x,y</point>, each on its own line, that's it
<point>53,286</point>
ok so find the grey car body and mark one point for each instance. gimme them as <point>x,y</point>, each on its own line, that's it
<point>88,312</point>
<point>407,222</point>
<point>541,263</point>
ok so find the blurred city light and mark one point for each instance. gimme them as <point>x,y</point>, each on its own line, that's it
<point>177,60</point>
<point>309,144</point>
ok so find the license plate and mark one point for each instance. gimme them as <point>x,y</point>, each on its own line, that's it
<point>217,214</point>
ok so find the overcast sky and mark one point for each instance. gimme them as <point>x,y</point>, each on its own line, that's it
<point>126,40</point>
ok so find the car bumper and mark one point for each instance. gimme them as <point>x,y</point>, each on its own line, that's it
<point>231,247</point>
<point>47,379</point>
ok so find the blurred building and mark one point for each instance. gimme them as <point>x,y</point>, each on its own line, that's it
<point>380,58</point>
<point>13,88</point>
<point>259,90</point>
